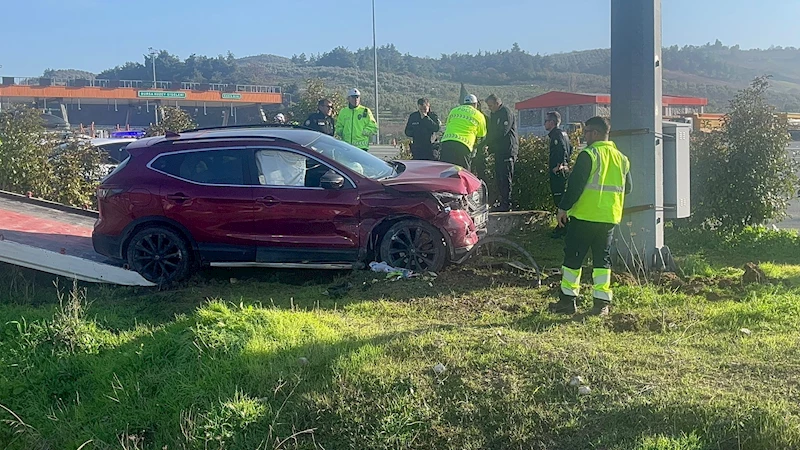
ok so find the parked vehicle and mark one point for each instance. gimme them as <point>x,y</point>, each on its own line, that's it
<point>281,197</point>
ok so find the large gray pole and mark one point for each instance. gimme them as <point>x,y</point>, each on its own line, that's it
<point>153,55</point>
<point>636,114</point>
<point>375,57</point>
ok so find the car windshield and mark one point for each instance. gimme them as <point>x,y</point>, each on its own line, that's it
<point>353,158</point>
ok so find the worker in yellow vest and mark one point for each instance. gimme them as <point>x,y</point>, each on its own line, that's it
<point>590,209</point>
<point>465,124</point>
<point>355,123</point>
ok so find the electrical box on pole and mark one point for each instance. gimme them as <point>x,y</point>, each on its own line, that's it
<point>677,183</point>
<point>636,123</point>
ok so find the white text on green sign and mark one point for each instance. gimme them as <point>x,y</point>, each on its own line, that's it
<point>231,96</point>
<point>161,94</point>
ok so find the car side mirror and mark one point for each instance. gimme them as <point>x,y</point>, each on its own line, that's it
<point>331,180</point>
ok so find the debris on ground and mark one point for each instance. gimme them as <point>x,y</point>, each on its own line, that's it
<point>393,272</point>
<point>303,361</point>
<point>746,331</point>
<point>584,390</point>
<point>576,381</point>
<point>753,274</point>
<point>439,368</point>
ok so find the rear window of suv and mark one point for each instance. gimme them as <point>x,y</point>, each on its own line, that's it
<point>206,167</point>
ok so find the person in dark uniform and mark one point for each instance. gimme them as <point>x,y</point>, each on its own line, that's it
<point>560,154</point>
<point>503,142</point>
<point>421,126</point>
<point>322,120</point>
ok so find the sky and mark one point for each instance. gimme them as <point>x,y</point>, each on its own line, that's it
<point>95,35</point>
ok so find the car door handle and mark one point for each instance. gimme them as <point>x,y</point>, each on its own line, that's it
<point>269,201</point>
<point>180,197</point>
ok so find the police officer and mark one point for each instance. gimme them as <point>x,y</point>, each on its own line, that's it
<point>560,153</point>
<point>421,126</point>
<point>465,124</point>
<point>593,206</point>
<point>503,142</point>
<point>355,122</point>
<point>322,120</point>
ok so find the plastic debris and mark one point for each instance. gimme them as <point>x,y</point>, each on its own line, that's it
<point>576,381</point>
<point>584,390</point>
<point>439,368</point>
<point>394,272</point>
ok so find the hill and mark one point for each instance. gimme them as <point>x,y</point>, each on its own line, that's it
<point>715,71</point>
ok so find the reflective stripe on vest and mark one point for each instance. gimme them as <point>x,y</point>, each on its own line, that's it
<point>604,195</point>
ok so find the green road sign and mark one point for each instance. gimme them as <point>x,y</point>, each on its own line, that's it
<point>227,96</point>
<point>161,94</point>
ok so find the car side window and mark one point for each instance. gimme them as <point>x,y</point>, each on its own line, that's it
<point>221,167</point>
<point>283,168</point>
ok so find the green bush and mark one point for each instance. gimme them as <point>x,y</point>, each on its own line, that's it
<point>173,119</point>
<point>531,188</point>
<point>742,175</point>
<point>76,174</point>
<point>25,148</point>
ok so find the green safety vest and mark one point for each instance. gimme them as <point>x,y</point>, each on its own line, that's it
<point>464,124</point>
<point>603,199</point>
<point>356,125</point>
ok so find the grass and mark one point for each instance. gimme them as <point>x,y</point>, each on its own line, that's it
<point>267,360</point>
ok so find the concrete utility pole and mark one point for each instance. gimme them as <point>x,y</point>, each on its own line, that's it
<point>636,111</point>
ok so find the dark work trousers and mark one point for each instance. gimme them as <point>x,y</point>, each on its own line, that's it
<point>504,174</point>
<point>582,236</point>
<point>455,152</point>
<point>558,185</point>
<point>423,152</point>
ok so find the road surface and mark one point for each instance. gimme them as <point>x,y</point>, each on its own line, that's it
<point>793,221</point>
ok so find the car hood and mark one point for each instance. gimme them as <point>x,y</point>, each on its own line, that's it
<point>427,176</point>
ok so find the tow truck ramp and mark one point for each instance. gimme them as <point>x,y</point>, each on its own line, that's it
<point>56,239</point>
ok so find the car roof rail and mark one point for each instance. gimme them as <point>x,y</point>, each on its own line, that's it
<point>252,125</point>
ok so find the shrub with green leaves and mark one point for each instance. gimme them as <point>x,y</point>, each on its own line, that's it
<point>743,175</point>
<point>174,119</point>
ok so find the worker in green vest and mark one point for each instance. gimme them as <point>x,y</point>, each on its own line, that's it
<point>590,209</point>
<point>465,125</point>
<point>355,123</point>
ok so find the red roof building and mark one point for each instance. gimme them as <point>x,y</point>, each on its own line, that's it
<point>580,107</point>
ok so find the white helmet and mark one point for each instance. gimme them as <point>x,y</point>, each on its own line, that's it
<point>470,100</point>
<point>280,118</point>
<point>354,93</point>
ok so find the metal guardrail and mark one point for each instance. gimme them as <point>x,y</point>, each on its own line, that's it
<point>140,84</point>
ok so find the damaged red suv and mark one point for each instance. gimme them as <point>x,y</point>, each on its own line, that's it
<point>281,197</point>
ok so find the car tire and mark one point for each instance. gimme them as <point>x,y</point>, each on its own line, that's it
<point>414,245</point>
<point>160,255</point>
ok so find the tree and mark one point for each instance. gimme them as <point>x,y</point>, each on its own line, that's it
<point>315,91</point>
<point>174,119</point>
<point>743,174</point>
<point>24,151</point>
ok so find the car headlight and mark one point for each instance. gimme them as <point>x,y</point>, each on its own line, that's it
<point>450,200</point>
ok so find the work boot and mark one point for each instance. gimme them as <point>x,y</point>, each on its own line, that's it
<point>600,308</point>
<point>564,305</point>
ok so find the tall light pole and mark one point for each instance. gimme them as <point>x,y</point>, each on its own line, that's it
<point>153,54</point>
<point>375,57</point>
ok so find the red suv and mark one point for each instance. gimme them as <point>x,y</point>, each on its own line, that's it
<point>281,197</point>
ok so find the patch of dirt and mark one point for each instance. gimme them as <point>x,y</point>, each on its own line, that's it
<point>753,274</point>
<point>622,322</point>
<point>727,283</point>
<point>624,279</point>
<point>670,280</point>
